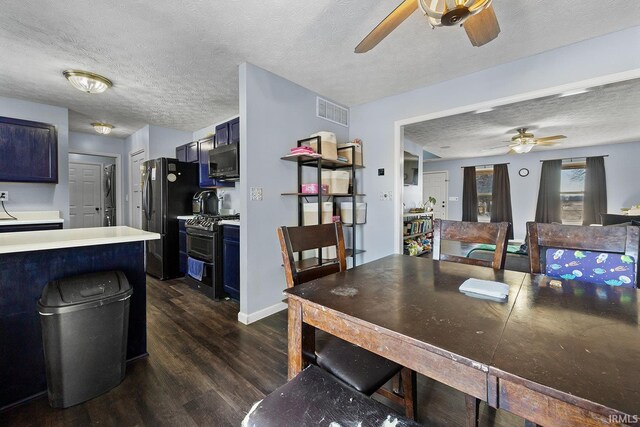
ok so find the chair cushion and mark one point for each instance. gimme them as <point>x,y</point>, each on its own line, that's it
<point>610,219</point>
<point>593,267</point>
<point>315,398</point>
<point>357,367</point>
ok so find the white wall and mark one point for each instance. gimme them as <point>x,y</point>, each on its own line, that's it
<point>163,141</point>
<point>35,196</point>
<point>139,140</point>
<point>274,114</point>
<point>621,169</point>
<point>375,122</point>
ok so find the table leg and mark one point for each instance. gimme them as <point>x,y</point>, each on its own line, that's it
<point>472,406</point>
<point>295,338</point>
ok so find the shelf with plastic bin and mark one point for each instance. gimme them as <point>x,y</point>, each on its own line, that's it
<point>410,214</point>
<point>312,161</point>
<point>323,194</point>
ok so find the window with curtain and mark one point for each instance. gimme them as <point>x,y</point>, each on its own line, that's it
<point>501,197</point>
<point>484,188</point>
<point>572,191</point>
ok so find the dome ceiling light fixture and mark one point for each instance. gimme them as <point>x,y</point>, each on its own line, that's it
<point>476,16</point>
<point>102,128</point>
<point>86,81</point>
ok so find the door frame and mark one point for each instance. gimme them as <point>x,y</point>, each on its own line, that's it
<point>119,174</point>
<point>131,210</point>
<point>101,169</point>
<point>446,189</point>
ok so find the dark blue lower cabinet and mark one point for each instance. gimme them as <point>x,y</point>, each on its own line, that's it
<point>231,260</point>
<point>182,243</point>
<point>30,227</point>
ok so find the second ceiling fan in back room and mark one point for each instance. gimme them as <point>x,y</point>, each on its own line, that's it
<point>476,16</point>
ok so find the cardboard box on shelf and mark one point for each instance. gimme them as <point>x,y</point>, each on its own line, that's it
<point>328,143</point>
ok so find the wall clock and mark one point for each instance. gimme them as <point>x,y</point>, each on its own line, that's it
<point>523,172</point>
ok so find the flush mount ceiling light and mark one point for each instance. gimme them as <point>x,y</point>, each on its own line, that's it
<point>87,82</point>
<point>103,128</point>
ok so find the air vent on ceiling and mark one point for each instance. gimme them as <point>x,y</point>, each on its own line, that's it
<point>332,112</point>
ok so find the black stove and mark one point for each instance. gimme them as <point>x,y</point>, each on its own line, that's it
<point>208,223</point>
<point>204,244</point>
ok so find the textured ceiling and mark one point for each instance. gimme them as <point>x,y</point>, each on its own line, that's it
<point>604,115</point>
<point>174,64</point>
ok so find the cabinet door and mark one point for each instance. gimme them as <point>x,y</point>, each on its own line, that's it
<point>181,153</point>
<point>222,134</point>
<point>28,151</point>
<point>192,152</point>
<point>234,130</point>
<point>231,261</point>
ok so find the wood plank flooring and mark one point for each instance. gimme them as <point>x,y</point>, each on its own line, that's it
<point>207,369</point>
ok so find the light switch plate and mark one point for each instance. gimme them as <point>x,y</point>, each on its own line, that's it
<point>453,199</point>
<point>4,196</point>
<point>255,193</point>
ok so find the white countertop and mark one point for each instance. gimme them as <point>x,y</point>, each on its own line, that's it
<point>186,216</point>
<point>25,218</point>
<point>230,222</point>
<point>27,241</point>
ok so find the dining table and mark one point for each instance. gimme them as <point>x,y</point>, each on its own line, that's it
<point>555,352</point>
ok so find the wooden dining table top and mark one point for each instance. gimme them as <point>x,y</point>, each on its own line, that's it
<point>419,300</point>
<point>575,339</point>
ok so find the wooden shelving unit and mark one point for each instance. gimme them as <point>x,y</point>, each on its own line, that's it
<point>422,222</point>
<point>319,163</point>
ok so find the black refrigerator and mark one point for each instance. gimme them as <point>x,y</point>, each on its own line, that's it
<point>167,192</point>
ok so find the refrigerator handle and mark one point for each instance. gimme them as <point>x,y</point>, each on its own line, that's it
<point>145,200</point>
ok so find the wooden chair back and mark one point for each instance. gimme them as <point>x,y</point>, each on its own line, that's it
<point>471,232</point>
<point>298,239</point>
<point>624,240</point>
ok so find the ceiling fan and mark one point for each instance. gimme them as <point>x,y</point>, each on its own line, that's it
<point>524,141</point>
<point>476,16</point>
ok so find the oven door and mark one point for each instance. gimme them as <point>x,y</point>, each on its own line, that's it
<point>201,245</point>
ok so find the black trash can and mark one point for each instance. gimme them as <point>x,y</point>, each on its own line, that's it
<point>84,322</point>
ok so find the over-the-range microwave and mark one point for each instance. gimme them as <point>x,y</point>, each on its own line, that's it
<point>224,162</point>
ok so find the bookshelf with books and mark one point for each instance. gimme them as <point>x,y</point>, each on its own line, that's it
<point>417,232</point>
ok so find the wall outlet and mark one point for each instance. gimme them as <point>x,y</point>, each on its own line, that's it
<point>4,196</point>
<point>386,195</point>
<point>255,193</point>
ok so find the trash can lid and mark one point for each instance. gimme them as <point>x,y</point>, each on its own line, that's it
<point>85,288</point>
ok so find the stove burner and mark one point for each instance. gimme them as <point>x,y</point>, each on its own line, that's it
<point>208,222</point>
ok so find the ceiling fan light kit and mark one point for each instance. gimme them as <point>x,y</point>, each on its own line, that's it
<point>86,81</point>
<point>476,16</point>
<point>522,148</point>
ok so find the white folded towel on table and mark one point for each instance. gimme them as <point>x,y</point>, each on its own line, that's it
<point>485,289</point>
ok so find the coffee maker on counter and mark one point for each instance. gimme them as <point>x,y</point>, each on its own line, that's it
<point>205,203</point>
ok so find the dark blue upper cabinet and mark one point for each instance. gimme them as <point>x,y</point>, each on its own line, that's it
<point>181,153</point>
<point>234,130</point>
<point>204,145</point>
<point>192,152</point>
<point>222,134</point>
<point>29,151</point>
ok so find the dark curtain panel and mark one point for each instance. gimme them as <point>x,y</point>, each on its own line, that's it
<point>469,195</point>
<point>501,197</point>
<point>595,191</point>
<point>549,208</point>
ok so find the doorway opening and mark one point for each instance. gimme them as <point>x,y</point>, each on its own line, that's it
<point>136,159</point>
<point>94,189</point>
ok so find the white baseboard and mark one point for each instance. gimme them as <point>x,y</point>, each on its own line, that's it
<point>260,314</point>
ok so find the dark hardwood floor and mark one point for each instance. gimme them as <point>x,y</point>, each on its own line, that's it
<point>207,369</point>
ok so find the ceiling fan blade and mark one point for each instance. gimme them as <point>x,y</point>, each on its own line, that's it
<point>388,24</point>
<point>482,27</point>
<point>550,138</point>
<point>512,151</point>
<point>546,143</point>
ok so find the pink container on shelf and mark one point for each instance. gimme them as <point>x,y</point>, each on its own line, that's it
<point>313,188</point>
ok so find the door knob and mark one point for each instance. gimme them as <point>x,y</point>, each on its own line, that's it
<point>97,209</point>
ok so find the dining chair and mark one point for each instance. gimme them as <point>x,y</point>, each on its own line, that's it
<point>471,233</point>
<point>359,368</point>
<point>601,255</point>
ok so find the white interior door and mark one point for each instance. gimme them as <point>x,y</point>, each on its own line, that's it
<point>85,195</point>
<point>435,184</point>
<point>136,189</point>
